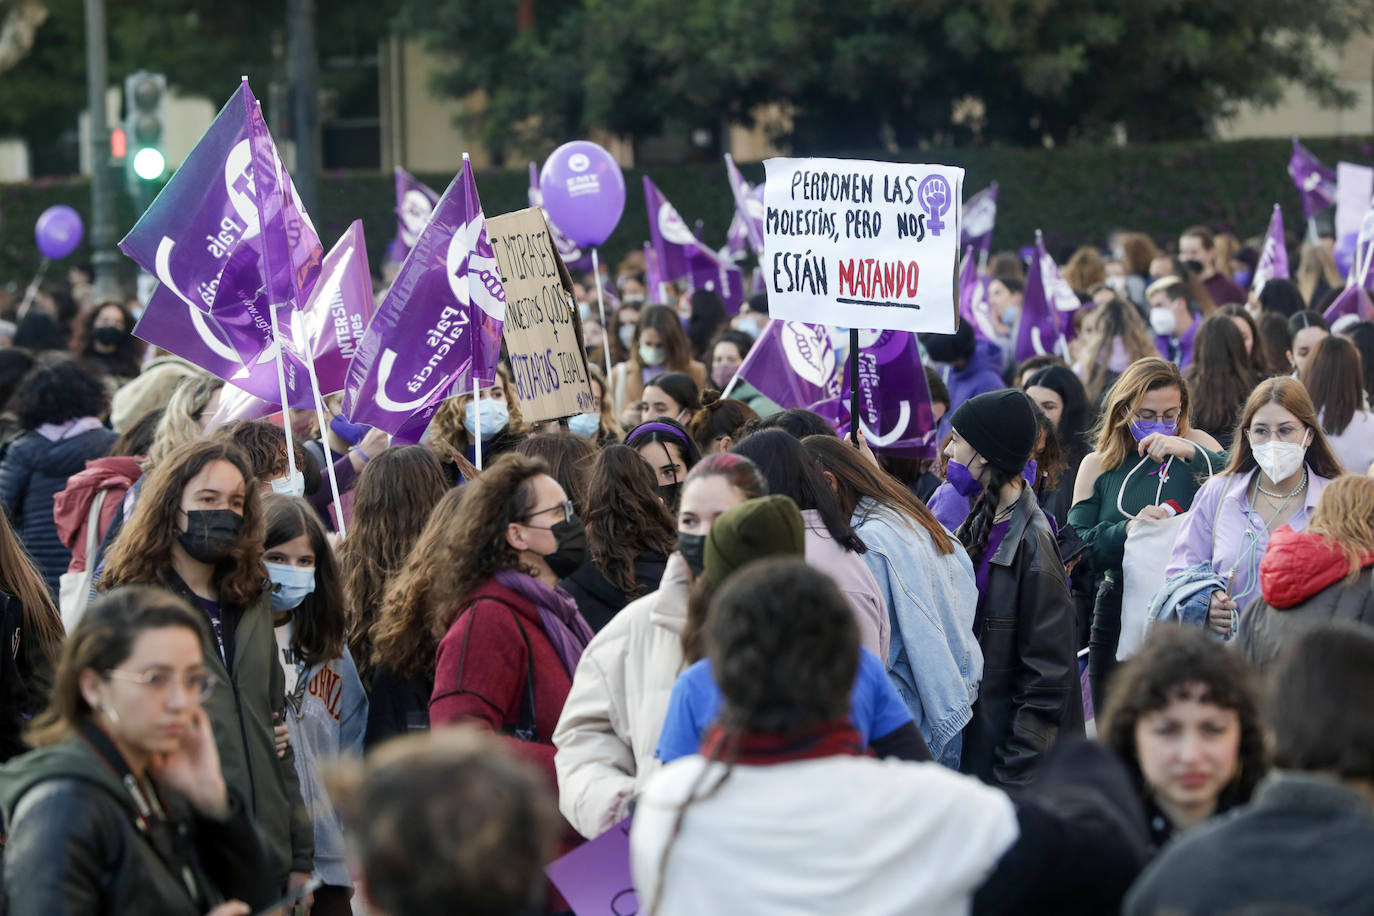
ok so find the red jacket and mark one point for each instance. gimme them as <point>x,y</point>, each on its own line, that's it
<point>1298,565</point>
<point>481,671</point>
<point>71,509</point>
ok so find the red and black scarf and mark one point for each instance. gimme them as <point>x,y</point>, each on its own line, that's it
<point>829,739</point>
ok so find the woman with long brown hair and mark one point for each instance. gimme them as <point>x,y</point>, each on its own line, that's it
<point>1311,577</point>
<point>926,581</point>
<point>482,581</point>
<point>1257,354</point>
<point>659,345</point>
<point>1334,378</point>
<point>1279,466</point>
<point>197,531</point>
<point>1147,455</point>
<point>1119,339</point>
<point>630,534</point>
<point>1219,378</point>
<point>31,628</point>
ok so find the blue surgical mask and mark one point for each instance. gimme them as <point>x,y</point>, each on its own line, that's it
<point>749,326</point>
<point>626,335</point>
<point>652,356</point>
<point>1012,313</point>
<point>1242,279</point>
<point>493,415</point>
<point>584,310</point>
<point>586,425</point>
<point>290,585</point>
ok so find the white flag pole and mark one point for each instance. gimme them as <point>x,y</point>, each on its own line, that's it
<point>285,401</point>
<point>304,348</point>
<point>477,433</point>
<point>601,310</point>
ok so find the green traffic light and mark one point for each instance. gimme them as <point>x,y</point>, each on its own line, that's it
<point>149,163</point>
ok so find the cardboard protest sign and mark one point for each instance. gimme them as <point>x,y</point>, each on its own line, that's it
<point>862,244</point>
<point>595,877</point>
<point>542,333</point>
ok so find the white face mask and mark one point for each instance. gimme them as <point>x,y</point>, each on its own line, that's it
<point>290,485</point>
<point>1280,460</point>
<point>1162,321</point>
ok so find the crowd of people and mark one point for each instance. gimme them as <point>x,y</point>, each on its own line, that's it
<point>1095,653</point>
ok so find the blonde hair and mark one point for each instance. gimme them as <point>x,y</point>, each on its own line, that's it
<point>1113,431</point>
<point>1315,265</point>
<point>1345,517</point>
<point>181,421</point>
<point>448,431</point>
<point>1115,319</point>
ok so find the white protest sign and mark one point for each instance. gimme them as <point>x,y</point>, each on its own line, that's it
<point>862,244</point>
<point>1354,188</point>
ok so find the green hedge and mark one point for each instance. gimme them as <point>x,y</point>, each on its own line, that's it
<point>1075,194</point>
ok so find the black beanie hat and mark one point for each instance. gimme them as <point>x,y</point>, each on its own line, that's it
<point>948,348</point>
<point>1001,426</point>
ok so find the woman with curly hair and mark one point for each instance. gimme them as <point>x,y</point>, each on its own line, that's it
<point>197,531</point>
<point>629,536</point>
<point>1183,716</point>
<point>1119,338</point>
<point>107,343</point>
<point>496,411</point>
<point>482,582</point>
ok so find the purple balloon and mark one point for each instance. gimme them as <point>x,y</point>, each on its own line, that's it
<point>584,192</point>
<point>58,231</point>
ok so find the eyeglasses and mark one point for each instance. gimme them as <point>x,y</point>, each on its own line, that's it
<point>1149,416</point>
<point>566,507</point>
<point>198,686</point>
<point>1286,432</point>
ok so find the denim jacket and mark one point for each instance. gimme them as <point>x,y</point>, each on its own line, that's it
<point>933,659</point>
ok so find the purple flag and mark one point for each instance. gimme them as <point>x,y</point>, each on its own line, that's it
<point>793,364</point>
<point>894,400</point>
<point>979,218</point>
<point>204,231</point>
<point>748,205</point>
<point>339,309</point>
<point>973,299</point>
<point>1273,259</point>
<point>736,240</point>
<point>595,877</point>
<point>577,260</point>
<point>1353,300</point>
<point>1315,182</point>
<point>1039,331</point>
<point>653,277</point>
<point>440,323</point>
<point>682,254</point>
<point>415,202</point>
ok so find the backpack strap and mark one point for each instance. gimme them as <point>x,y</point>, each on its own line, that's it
<point>524,728</point>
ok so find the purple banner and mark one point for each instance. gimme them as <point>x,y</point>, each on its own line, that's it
<point>1353,300</point>
<point>577,261</point>
<point>681,254</point>
<point>1273,259</point>
<point>1039,331</point>
<point>748,206</point>
<point>1315,182</point>
<point>894,400</point>
<point>979,218</point>
<point>793,364</point>
<point>415,202</point>
<point>973,298</point>
<point>440,323</point>
<point>653,277</point>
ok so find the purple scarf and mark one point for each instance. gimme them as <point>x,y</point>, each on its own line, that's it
<point>558,614</point>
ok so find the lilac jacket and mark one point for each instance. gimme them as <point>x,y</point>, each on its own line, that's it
<point>1166,346</point>
<point>982,373</point>
<point>855,581</point>
<point>1223,530</point>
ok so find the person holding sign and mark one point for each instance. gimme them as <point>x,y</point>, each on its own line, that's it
<point>1029,696</point>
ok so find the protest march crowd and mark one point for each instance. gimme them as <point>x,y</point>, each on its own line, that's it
<point>1094,645</point>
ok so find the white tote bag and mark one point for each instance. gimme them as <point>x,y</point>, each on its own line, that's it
<point>74,588</point>
<point>1149,544</point>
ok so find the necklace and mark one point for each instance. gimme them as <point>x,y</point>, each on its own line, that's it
<point>1294,492</point>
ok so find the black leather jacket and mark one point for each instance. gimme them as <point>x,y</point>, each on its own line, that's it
<point>1030,694</point>
<point>74,849</point>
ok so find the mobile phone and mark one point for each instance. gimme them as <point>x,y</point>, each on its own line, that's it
<point>284,904</point>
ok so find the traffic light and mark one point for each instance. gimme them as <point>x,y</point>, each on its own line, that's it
<point>144,97</point>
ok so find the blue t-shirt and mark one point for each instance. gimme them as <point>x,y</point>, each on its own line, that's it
<point>874,705</point>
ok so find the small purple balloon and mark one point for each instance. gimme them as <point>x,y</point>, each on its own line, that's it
<point>58,231</point>
<point>584,192</point>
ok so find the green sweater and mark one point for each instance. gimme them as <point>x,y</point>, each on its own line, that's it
<point>1102,526</point>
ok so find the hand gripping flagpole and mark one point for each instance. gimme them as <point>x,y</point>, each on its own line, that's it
<point>601,310</point>
<point>308,357</point>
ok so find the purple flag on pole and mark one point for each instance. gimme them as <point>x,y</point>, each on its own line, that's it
<point>203,238</point>
<point>439,325</point>
<point>979,218</point>
<point>577,260</point>
<point>1315,182</point>
<point>736,240</point>
<point>1353,300</point>
<point>415,202</point>
<point>1039,331</point>
<point>793,365</point>
<point>894,400</point>
<point>682,254</point>
<point>653,277</point>
<point>973,299</point>
<point>748,205</point>
<point>339,309</point>
<point>1273,259</point>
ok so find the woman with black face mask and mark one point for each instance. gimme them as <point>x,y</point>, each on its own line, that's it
<point>612,717</point>
<point>671,452</point>
<point>107,343</point>
<point>197,531</point>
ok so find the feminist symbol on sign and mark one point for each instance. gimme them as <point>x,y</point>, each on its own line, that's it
<point>934,195</point>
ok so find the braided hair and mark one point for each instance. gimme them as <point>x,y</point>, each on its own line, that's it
<point>973,533</point>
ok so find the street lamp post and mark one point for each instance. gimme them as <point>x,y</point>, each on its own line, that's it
<point>104,259</point>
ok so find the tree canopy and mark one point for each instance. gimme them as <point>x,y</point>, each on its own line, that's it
<point>872,73</point>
